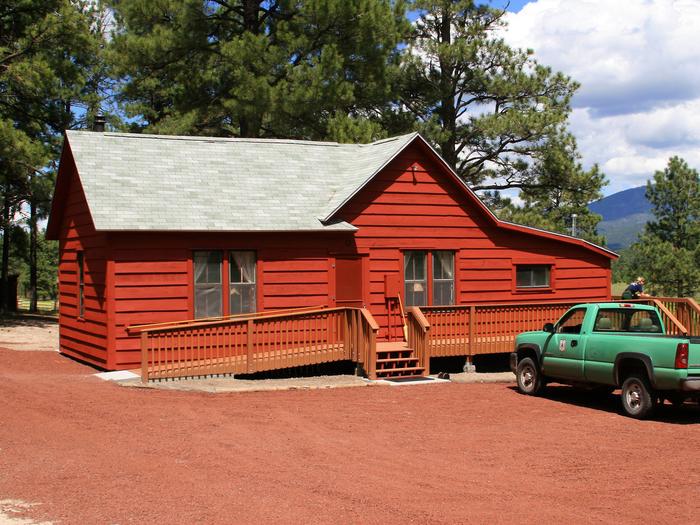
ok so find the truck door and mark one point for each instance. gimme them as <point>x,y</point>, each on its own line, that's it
<point>564,350</point>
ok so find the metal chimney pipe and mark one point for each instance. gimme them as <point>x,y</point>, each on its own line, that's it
<point>98,124</point>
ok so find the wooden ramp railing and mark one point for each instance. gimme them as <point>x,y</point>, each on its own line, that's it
<point>681,315</point>
<point>258,342</point>
<point>484,329</point>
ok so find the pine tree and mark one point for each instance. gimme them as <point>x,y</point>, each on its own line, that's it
<point>43,45</point>
<point>668,252</point>
<point>492,110</point>
<point>248,68</point>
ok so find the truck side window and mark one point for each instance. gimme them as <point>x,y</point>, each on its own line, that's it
<point>571,322</point>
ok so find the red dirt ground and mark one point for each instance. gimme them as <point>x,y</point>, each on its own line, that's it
<point>89,451</point>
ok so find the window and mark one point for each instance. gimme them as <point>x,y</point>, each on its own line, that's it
<point>627,320</point>
<point>443,278</point>
<point>207,284</point>
<point>532,276</point>
<point>571,323</point>
<point>242,282</point>
<point>415,278</point>
<point>419,289</point>
<point>81,283</point>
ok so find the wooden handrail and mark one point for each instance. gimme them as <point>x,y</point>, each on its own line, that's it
<point>420,318</point>
<point>670,316</point>
<point>137,328</point>
<point>225,322</point>
<point>370,319</point>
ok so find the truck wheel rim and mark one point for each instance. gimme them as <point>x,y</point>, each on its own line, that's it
<point>527,377</point>
<point>634,396</point>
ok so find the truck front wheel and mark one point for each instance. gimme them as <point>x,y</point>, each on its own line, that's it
<point>637,398</point>
<point>528,376</point>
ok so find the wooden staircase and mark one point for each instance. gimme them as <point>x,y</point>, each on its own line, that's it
<point>397,361</point>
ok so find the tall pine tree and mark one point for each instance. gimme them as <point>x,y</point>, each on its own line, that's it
<point>312,70</point>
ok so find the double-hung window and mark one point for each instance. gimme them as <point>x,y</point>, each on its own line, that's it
<point>207,284</point>
<point>211,278</point>
<point>429,278</point>
<point>241,282</point>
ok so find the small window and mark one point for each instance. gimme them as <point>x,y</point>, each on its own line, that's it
<point>207,284</point>
<point>242,291</point>
<point>571,323</point>
<point>81,283</point>
<point>443,278</point>
<point>415,278</point>
<point>532,276</point>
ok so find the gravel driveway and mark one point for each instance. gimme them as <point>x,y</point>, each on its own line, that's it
<point>81,450</point>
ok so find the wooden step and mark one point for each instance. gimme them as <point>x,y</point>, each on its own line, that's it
<point>405,360</point>
<point>401,372</point>
<point>394,354</point>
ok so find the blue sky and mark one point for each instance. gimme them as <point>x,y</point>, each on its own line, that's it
<point>638,64</point>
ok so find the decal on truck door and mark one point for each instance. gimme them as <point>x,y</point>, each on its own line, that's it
<point>562,345</point>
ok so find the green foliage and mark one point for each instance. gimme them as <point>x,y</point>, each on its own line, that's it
<point>563,189</point>
<point>492,110</point>
<point>255,68</point>
<point>45,46</point>
<point>668,253</point>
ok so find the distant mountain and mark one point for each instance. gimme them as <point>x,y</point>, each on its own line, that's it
<point>624,215</point>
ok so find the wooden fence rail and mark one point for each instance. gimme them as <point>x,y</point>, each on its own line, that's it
<point>259,342</point>
<point>485,329</point>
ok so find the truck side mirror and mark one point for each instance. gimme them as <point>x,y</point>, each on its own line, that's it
<point>548,327</point>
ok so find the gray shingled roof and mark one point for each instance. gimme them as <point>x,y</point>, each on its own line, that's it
<point>153,182</point>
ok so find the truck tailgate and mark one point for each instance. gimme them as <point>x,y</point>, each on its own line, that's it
<point>694,355</point>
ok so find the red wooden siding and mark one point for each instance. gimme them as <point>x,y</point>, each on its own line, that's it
<point>153,277</point>
<point>414,205</point>
<point>86,337</point>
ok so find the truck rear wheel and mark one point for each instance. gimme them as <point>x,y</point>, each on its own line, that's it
<point>637,398</point>
<point>528,376</point>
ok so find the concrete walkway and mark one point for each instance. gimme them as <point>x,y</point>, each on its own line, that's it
<point>230,384</point>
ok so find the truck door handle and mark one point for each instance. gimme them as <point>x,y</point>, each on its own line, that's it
<point>574,342</point>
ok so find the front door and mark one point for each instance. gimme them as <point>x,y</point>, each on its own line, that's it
<point>348,282</point>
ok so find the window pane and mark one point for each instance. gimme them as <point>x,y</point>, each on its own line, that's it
<point>443,293</point>
<point>242,290</point>
<point>242,267</point>
<point>571,324</point>
<point>536,276</point>
<point>207,267</point>
<point>414,266</point>
<point>443,278</point>
<point>208,300</point>
<point>414,278</point>
<point>242,298</point>
<point>443,265</point>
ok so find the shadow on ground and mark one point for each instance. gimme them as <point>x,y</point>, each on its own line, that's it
<point>28,320</point>
<point>687,414</point>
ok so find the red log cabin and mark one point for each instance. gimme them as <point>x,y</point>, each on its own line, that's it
<point>163,228</point>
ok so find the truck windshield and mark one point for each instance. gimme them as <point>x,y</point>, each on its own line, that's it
<point>627,320</point>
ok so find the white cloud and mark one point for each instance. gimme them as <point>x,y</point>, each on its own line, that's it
<point>637,62</point>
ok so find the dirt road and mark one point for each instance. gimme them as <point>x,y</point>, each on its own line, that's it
<point>88,451</point>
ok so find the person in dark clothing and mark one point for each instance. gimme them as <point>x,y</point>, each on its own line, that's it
<point>635,290</point>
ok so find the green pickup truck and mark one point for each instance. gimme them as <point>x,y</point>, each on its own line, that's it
<point>604,346</point>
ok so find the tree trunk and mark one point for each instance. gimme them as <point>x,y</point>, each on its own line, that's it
<point>447,110</point>
<point>33,305</point>
<point>4,288</point>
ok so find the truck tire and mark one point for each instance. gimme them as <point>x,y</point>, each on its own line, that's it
<point>529,377</point>
<point>637,397</point>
